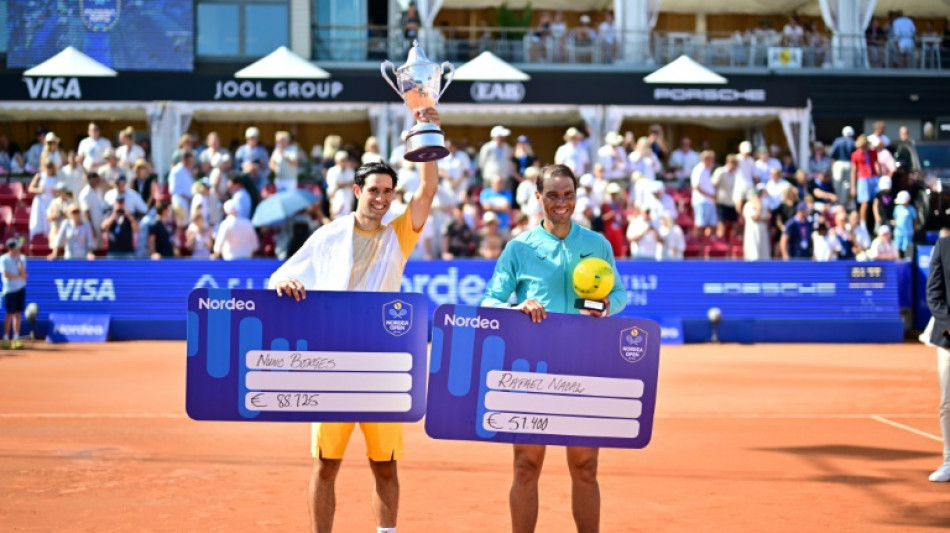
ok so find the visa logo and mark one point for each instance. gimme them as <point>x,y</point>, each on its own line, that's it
<point>53,88</point>
<point>85,289</point>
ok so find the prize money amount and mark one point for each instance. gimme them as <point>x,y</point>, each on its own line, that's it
<point>504,422</point>
<point>298,400</point>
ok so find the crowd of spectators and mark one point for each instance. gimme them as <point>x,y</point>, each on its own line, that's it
<point>651,200</point>
<point>892,42</point>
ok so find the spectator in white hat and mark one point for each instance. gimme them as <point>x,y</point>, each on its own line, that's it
<point>496,156</point>
<point>252,158</point>
<point>905,222</point>
<point>659,203</point>
<point>883,247</point>
<point>51,152</point>
<point>572,153</point>
<point>236,238</point>
<point>883,206</point>
<point>614,158</point>
<point>491,240</point>
<point>525,197</point>
<point>840,154</point>
<point>683,160</point>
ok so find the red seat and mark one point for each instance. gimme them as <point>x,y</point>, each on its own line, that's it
<point>737,251</point>
<point>39,246</point>
<point>21,218</point>
<point>9,197</point>
<point>694,247</point>
<point>716,248</point>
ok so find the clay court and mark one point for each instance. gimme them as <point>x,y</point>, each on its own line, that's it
<point>747,438</point>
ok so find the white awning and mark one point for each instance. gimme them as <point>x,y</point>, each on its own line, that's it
<point>684,70</point>
<point>276,111</point>
<point>284,64</point>
<point>71,62</point>
<point>523,114</point>
<point>53,110</point>
<point>489,67</point>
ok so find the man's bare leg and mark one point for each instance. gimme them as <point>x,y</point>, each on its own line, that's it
<point>323,494</point>
<point>523,498</point>
<point>585,492</point>
<point>386,493</point>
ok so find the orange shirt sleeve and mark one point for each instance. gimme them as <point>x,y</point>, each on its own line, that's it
<point>408,238</point>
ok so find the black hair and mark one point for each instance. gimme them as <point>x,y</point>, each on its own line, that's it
<point>91,175</point>
<point>556,171</point>
<point>161,206</point>
<point>376,167</point>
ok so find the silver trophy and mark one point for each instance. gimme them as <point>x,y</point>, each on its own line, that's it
<point>417,83</point>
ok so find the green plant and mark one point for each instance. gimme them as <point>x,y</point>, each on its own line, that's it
<point>508,18</point>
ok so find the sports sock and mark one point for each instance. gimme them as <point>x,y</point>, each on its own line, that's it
<point>385,530</point>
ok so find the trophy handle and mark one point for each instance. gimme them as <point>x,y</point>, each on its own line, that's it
<point>382,70</point>
<point>448,81</point>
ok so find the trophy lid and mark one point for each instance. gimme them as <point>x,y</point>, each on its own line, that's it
<point>417,56</point>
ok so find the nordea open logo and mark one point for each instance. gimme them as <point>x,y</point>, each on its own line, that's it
<point>229,305</point>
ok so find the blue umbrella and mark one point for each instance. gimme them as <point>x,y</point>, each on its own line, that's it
<point>281,206</point>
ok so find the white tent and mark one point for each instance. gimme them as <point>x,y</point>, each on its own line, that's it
<point>489,67</point>
<point>73,63</point>
<point>684,70</point>
<point>282,63</point>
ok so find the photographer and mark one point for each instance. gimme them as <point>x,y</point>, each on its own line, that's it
<point>120,228</point>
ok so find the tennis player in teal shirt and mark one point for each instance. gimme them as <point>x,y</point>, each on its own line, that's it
<point>537,267</point>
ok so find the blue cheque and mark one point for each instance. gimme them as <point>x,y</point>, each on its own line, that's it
<point>571,380</point>
<point>334,356</point>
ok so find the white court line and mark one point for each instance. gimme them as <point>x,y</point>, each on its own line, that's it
<point>673,416</point>
<point>906,427</point>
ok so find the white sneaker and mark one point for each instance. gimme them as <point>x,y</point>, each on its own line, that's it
<point>941,474</point>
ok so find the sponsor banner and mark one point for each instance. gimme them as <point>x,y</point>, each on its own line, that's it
<point>74,327</point>
<point>333,356</point>
<point>572,380</point>
<point>157,291</point>
<point>671,330</point>
<point>601,88</point>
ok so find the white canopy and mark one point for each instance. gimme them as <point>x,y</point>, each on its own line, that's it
<point>71,62</point>
<point>489,67</point>
<point>684,70</point>
<point>282,63</point>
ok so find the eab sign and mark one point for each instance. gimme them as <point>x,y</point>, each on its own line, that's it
<point>785,57</point>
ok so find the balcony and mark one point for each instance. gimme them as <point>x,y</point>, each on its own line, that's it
<point>736,50</point>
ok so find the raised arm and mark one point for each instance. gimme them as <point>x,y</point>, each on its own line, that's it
<point>428,177</point>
